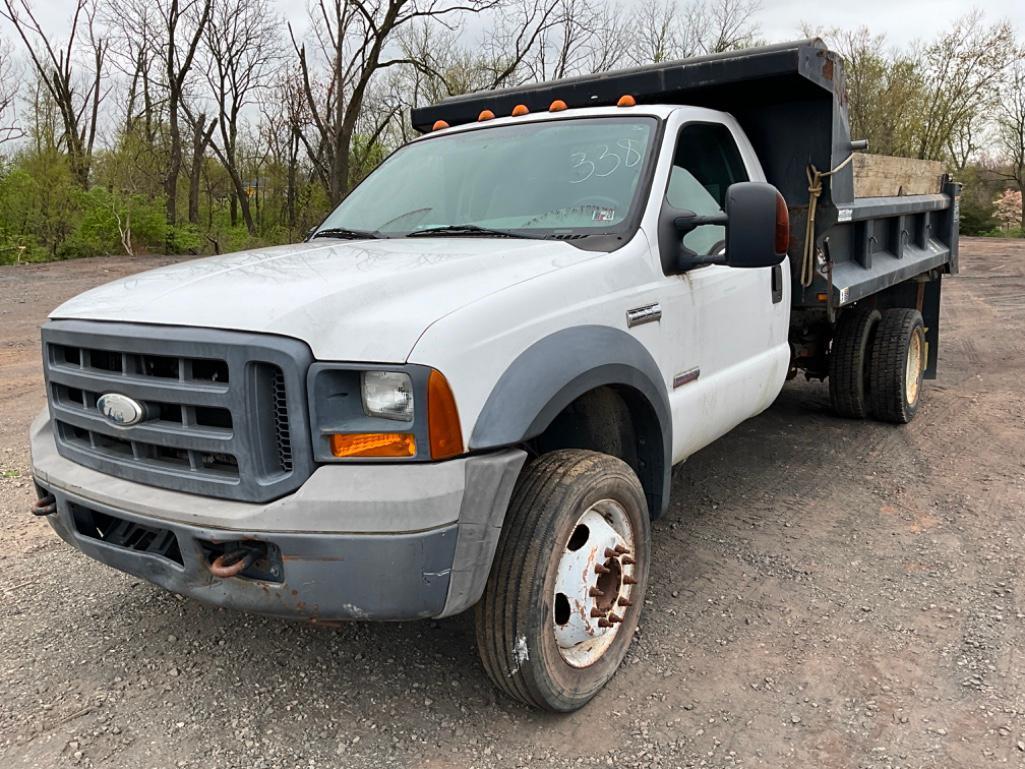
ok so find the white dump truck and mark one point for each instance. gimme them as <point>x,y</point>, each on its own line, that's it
<point>469,386</point>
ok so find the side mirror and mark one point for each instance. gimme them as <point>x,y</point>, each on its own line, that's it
<point>757,228</point>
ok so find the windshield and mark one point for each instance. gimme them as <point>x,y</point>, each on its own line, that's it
<point>534,179</point>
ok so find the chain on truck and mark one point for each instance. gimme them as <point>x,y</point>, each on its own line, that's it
<point>468,388</point>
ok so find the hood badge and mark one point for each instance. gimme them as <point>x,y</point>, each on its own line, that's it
<point>120,409</point>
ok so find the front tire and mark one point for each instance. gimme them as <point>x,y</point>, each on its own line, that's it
<point>564,596</point>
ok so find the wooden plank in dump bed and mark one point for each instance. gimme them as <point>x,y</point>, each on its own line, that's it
<point>881,176</point>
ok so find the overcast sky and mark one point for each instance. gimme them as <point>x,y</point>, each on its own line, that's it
<point>903,21</point>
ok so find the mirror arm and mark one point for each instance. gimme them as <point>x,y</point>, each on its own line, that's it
<point>688,259</point>
<point>688,222</point>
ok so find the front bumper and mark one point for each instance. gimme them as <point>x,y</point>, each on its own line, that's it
<point>381,542</point>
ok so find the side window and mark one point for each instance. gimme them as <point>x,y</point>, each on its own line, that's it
<point>706,163</point>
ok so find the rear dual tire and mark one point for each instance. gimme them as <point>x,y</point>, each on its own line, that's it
<point>876,364</point>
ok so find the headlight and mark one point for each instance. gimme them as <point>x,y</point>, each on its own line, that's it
<point>388,394</point>
<point>380,412</point>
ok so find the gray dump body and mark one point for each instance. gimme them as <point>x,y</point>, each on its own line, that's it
<point>791,101</point>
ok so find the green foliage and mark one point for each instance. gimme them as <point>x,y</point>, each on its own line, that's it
<point>1000,232</point>
<point>977,218</point>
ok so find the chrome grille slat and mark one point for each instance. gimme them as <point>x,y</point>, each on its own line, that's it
<point>225,411</point>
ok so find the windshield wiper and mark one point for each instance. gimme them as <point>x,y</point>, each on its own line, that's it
<point>344,233</point>
<point>463,229</point>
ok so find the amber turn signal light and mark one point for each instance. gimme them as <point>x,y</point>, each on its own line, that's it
<point>373,445</point>
<point>446,434</point>
<point>782,225</point>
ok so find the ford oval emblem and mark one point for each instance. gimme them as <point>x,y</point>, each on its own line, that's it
<point>120,409</point>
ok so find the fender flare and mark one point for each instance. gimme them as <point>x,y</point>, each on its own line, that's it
<point>559,368</point>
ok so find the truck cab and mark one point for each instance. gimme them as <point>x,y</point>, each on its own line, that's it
<point>468,387</point>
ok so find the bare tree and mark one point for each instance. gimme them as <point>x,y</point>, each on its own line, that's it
<point>730,24</point>
<point>284,119</point>
<point>59,70</point>
<point>1010,130</point>
<point>962,70</point>
<point>183,23</point>
<point>668,30</point>
<point>9,127</point>
<point>657,37</point>
<point>202,129</point>
<point>242,48</point>
<point>351,42</point>
<point>135,55</point>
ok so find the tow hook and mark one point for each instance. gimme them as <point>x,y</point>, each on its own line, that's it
<point>45,506</point>
<point>233,563</point>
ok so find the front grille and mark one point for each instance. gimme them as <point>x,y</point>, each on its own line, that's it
<point>221,409</point>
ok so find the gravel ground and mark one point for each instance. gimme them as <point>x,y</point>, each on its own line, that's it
<point>825,593</point>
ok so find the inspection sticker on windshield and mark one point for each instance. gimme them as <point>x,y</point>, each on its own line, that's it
<point>603,215</point>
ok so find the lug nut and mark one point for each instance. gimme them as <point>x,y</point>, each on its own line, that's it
<point>628,561</point>
<point>604,623</point>
<point>620,549</point>
<point>596,612</point>
<point>610,553</point>
<point>595,592</point>
<point>601,568</point>
<point>614,618</point>
<point>628,580</point>
<point>625,602</point>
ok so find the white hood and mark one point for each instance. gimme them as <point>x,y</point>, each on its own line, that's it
<point>355,301</point>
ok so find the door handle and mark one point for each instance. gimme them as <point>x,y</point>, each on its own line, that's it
<point>777,284</point>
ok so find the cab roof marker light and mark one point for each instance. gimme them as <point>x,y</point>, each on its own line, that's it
<point>485,114</point>
<point>626,100</point>
<point>439,125</point>
<point>520,110</point>
<point>557,106</point>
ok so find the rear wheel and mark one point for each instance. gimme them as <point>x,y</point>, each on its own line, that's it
<point>898,360</point>
<point>848,363</point>
<point>566,589</point>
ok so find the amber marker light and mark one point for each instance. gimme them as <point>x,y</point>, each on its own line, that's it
<point>782,225</point>
<point>520,110</point>
<point>486,114</point>
<point>626,100</point>
<point>557,106</point>
<point>439,124</point>
<point>390,445</point>
<point>446,434</point>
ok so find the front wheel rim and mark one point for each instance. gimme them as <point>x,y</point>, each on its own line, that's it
<point>594,583</point>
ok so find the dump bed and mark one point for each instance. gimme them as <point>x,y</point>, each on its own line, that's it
<point>791,101</point>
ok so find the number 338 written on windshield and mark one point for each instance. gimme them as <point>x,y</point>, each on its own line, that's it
<point>604,161</point>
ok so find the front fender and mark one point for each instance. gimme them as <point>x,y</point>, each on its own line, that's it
<point>558,369</point>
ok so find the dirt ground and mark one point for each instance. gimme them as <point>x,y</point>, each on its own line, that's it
<point>825,593</point>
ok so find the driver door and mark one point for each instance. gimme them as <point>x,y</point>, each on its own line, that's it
<point>736,319</point>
